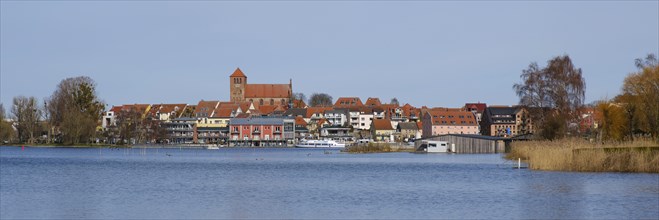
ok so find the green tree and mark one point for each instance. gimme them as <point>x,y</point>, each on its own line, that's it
<point>553,93</point>
<point>74,109</point>
<point>320,99</point>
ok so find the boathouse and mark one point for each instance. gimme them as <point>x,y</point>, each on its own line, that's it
<point>467,143</point>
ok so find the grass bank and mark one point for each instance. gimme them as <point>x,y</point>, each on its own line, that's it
<point>378,148</point>
<point>584,156</point>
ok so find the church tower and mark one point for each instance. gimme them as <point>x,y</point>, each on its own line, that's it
<point>237,82</point>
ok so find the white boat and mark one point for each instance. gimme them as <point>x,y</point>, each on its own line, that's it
<point>213,147</point>
<point>319,144</point>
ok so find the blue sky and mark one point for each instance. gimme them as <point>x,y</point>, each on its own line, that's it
<point>442,53</point>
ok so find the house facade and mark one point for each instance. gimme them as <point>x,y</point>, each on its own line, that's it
<point>407,131</point>
<point>381,130</point>
<point>506,121</point>
<point>447,121</point>
<point>261,131</point>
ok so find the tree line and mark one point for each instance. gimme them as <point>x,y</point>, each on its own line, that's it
<point>69,116</point>
<point>72,115</point>
<point>635,111</point>
<point>554,96</point>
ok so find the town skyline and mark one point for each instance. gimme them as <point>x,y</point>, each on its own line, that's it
<point>422,53</point>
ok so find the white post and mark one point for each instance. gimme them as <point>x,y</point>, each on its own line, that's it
<point>519,163</point>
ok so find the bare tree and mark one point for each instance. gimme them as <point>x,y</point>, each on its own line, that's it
<point>26,114</point>
<point>320,99</point>
<point>553,94</point>
<point>128,125</point>
<point>649,61</point>
<point>298,96</point>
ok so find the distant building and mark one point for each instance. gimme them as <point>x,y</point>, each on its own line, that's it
<point>477,109</point>
<point>259,94</point>
<point>110,117</point>
<point>182,130</point>
<point>262,131</point>
<point>348,102</point>
<point>448,121</point>
<point>167,112</point>
<point>335,132</point>
<point>381,130</point>
<point>373,102</point>
<point>506,121</point>
<point>338,117</point>
<point>407,130</point>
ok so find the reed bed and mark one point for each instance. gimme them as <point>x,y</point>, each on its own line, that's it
<point>378,148</point>
<point>584,156</point>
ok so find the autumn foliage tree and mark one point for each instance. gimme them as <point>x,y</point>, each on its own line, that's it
<point>553,94</point>
<point>612,120</point>
<point>640,98</point>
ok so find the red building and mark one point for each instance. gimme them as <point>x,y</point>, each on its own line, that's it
<point>261,131</point>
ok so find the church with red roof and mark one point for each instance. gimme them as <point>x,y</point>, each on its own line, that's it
<point>259,94</point>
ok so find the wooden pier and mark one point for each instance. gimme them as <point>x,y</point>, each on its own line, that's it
<point>468,144</point>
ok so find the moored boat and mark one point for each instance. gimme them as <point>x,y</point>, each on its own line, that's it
<point>319,144</point>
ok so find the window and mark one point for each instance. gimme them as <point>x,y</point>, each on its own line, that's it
<point>261,102</point>
<point>272,102</point>
<point>277,129</point>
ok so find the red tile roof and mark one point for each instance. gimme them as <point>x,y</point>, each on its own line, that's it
<point>267,109</point>
<point>450,117</point>
<point>348,102</point>
<point>238,73</point>
<point>300,121</point>
<point>299,104</point>
<point>479,107</point>
<point>267,91</point>
<point>242,115</point>
<point>314,110</point>
<point>116,109</point>
<point>169,108</point>
<point>322,121</point>
<point>155,108</point>
<point>373,102</point>
<point>206,108</point>
<point>141,108</point>
<point>222,112</point>
<point>382,124</point>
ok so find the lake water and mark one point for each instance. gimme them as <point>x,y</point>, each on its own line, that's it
<point>67,183</point>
